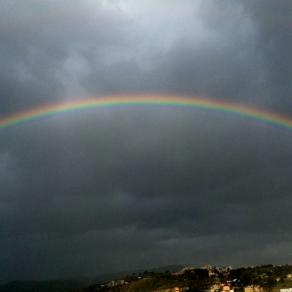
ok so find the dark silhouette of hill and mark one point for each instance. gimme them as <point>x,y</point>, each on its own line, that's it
<point>75,284</point>
<point>44,286</point>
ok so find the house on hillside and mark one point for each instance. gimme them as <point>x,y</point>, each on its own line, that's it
<point>286,290</point>
<point>175,289</point>
<point>226,288</point>
<point>214,288</point>
<point>254,288</point>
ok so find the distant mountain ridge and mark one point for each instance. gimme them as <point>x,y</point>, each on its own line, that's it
<point>75,285</point>
<point>44,286</point>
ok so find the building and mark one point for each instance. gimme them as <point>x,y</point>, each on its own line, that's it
<point>115,283</point>
<point>175,289</point>
<point>212,270</point>
<point>286,290</point>
<point>214,288</point>
<point>226,288</point>
<point>254,288</point>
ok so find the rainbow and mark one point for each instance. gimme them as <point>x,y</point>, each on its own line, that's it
<point>244,111</point>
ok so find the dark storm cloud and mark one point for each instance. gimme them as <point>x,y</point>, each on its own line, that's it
<point>117,189</point>
<point>121,185</point>
<point>273,26</point>
<point>40,42</point>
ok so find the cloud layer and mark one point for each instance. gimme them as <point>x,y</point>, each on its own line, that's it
<point>118,189</point>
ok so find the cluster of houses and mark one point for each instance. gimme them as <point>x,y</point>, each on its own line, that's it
<point>221,288</point>
<point>114,283</point>
<point>228,288</point>
<point>174,289</point>
<point>213,272</point>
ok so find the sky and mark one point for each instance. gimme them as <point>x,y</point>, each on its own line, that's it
<point>112,189</point>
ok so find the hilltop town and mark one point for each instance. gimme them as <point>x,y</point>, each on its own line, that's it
<point>208,279</point>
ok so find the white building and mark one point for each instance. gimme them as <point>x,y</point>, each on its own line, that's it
<point>286,290</point>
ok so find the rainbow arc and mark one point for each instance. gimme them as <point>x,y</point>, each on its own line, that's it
<point>244,111</point>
